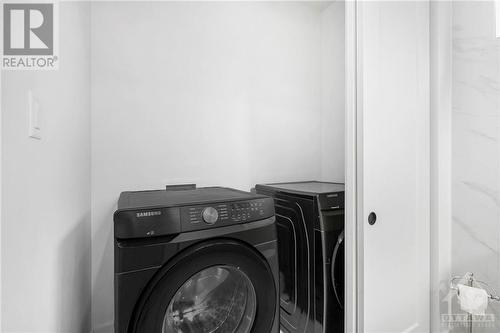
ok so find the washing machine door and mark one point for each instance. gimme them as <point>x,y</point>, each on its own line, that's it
<point>337,270</point>
<point>216,287</point>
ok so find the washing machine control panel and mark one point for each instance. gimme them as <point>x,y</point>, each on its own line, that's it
<point>218,215</point>
<point>158,213</point>
<point>248,210</point>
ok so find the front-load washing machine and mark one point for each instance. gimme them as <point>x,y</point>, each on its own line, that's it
<point>310,223</point>
<point>195,260</point>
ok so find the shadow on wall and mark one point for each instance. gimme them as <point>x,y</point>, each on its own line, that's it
<point>103,272</point>
<point>74,260</point>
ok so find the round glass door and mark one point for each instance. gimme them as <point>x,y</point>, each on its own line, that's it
<point>219,299</point>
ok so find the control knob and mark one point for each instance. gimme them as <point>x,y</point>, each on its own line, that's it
<point>210,215</point>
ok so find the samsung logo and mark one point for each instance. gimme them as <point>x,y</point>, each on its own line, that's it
<point>148,214</point>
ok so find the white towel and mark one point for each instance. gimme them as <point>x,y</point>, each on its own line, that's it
<point>472,300</point>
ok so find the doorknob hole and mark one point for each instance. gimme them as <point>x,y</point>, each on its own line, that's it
<point>372,218</point>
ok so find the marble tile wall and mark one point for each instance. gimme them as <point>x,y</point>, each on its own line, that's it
<point>476,148</point>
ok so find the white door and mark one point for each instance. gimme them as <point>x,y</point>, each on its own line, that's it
<point>393,166</point>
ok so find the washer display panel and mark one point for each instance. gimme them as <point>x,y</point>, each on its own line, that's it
<point>217,299</point>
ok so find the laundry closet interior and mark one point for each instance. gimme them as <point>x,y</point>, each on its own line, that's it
<point>229,94</point>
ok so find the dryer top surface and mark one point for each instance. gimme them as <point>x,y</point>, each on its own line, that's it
<point>164,198</point>
<point>307,187</point>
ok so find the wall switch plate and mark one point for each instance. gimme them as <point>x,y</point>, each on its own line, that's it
<point>34,128</point>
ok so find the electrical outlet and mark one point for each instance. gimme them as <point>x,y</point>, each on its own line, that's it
<point>34,128</point>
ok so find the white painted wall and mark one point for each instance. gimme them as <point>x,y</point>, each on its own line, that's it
<point>211,93</point>
<point>1,191</point>
<point>46,191</point>
<point>333,92</point>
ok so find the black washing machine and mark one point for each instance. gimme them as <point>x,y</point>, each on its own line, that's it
<point>310,223</point>
<point>195,260</point>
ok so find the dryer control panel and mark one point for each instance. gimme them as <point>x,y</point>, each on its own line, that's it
<point>222,214</point>
<point>156,213</point>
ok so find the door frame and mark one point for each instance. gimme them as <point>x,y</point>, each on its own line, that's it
<point>351,169</point>
<point>441,36</point>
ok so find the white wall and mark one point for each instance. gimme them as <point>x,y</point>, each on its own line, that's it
<point>210,93</point>
<point>46,191</point>
<point>333,92</point>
